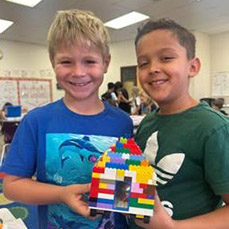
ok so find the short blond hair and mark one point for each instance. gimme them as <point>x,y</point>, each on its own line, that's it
<point>77,27</point>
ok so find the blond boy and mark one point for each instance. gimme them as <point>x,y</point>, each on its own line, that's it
<point>61,141</point>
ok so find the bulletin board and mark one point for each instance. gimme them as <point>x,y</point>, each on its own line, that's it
<point>220,84</point>
<point>27,92</point>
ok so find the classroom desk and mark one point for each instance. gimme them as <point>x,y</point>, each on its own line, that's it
<point>8,127</point>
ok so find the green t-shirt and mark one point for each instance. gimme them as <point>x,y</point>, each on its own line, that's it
<point>190,151</point>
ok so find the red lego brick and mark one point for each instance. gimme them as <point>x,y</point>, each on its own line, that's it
<point>95,182</point>
<point>107,191</point>
<point>94,193</point>
<point>97,169</point>
<point>112,148</point>
<point>143,186</point>
<point>138,195</point>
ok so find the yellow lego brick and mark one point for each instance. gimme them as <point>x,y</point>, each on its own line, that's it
<point>133,168</point>
<point>140,216</point>
<point>123,140</point>
<point>141,180</point>
<point>145,201</point>
<point>101,164</point>
<point>96,175</point>
<point>119,178</point>
<point>103,185</point>
<point>120,172</point>
<point>106,159</point>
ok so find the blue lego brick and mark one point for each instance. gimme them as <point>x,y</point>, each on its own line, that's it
<point>105,201</point>
<point>117,166</point>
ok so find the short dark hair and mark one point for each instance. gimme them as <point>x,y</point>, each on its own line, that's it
<point>6,104</point>
<point>118,84</point>
<point>185,37</point>
<point>218,103</point>
<point>110,85</point>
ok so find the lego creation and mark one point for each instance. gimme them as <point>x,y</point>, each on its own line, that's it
<point>123,181</point>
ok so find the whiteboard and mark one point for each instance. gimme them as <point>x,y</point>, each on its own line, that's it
<point>34,93</point>
<point>8,92</point>
<point>220,84</point>
<point>27,92</point>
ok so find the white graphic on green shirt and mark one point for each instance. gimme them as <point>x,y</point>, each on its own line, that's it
<point>166,168</point>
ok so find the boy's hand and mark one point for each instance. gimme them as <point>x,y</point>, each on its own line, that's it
<point>72,195</point>
<point>160,219</point>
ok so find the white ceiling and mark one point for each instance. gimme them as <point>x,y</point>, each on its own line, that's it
<point>31,24</point>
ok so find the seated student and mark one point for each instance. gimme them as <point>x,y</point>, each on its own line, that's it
<point>110,95</point>
<point>135,101</point>
<point>8,129</point>
<point>61,141</point>
<point>147,104</point>
<point>186,141</point>
<point>3,111</point>
<point>123,97</point>
<point>217,104</point>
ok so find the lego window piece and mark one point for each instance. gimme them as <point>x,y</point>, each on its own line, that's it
<point>122,193</point>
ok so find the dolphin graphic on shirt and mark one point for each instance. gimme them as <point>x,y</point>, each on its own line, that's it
<point>87,152</point>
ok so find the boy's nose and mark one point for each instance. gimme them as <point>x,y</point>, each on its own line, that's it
<point>154,68</point>
<point>78,70</point>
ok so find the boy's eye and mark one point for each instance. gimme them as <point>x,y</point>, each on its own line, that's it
<point>90,61</point>
<point>65,62</point>
<point>167,58</point>
<point>142,64</point>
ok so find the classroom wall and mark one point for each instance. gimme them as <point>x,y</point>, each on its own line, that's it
<point>220,57</point>
<point>200,86</point>
<point>34,59</point>
<point>27,60</point>
<point>122,54</point>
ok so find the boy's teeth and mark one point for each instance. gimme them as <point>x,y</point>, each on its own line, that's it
<point>79,84</point>
<point>158,82</point>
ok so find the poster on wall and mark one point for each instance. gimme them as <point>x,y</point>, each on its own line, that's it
<point>220,84</point>
<point>27,92</point>
<point>8,92</point>
<point>34,93</point>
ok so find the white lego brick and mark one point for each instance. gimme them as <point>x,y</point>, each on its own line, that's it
<point>125,156</point>
<point>109,174</point>
<point>106,196</point>
<point>131,174</point>
<point>141,211</point>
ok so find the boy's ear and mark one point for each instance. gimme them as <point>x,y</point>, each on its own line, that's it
<point>194,67</point>
<point>107,60</point>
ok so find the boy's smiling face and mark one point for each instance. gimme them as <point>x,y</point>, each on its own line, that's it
<point>79,71</point>
<point>164,69</point>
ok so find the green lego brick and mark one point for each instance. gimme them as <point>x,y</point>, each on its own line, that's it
<point>134,203</point>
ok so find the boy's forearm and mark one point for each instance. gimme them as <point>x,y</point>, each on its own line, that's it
<point>29,191</point>
<point>218,219</point>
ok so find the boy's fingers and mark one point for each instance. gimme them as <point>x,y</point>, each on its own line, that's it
<point>84,210</point>
<point>83,188</point>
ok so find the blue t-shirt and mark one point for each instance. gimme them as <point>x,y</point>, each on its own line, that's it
<point>60,147</point>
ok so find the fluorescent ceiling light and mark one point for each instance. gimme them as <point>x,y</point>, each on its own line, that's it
<point>4,25</point>
<point>126,20</point>
<point>30,3</point>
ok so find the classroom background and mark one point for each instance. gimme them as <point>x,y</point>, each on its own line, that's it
<point>25,60</point>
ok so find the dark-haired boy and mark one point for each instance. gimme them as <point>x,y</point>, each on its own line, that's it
<point>186,141</point>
